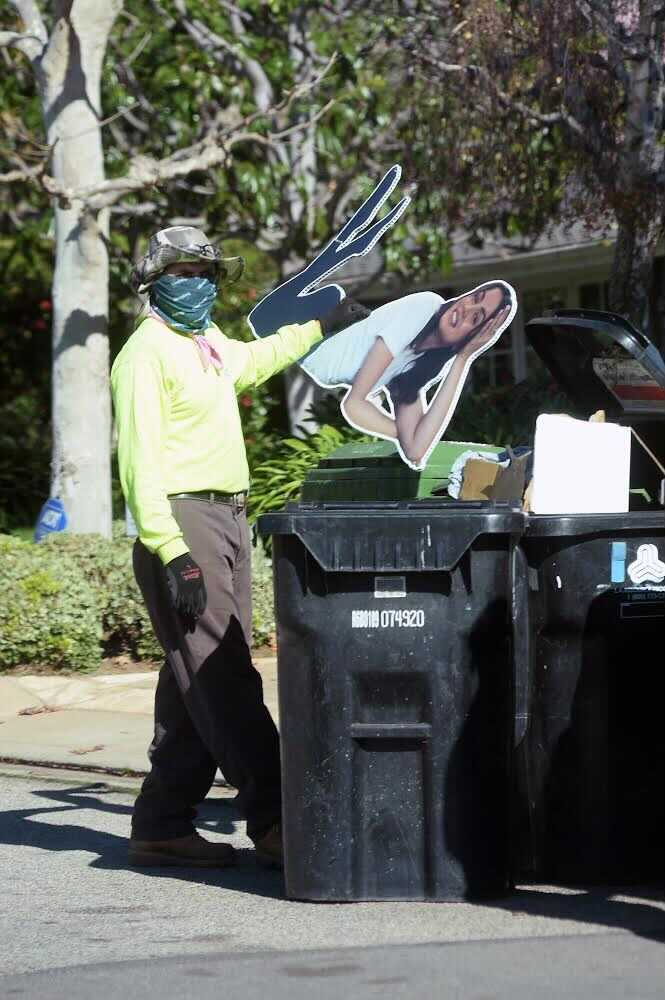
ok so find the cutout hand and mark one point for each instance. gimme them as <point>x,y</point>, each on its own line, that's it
<point>345,314</point>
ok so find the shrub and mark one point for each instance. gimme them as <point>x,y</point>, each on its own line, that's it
<point>49,613</point>
<point>506,415</point>
<point>278,480</point>
<point>107,564</point>
<point>263,606</point>
<point>25,459</point>
<point>72,599</point>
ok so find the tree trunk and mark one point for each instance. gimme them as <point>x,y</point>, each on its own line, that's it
<point>70,75</point>
<point>632,269</point>
<point>657,325</point>
<point>301,392</point>
<point>639,185</point>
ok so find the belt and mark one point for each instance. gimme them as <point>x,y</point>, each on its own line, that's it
<point>238,500</point>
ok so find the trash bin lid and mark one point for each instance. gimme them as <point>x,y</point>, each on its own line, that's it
<point>393,537</point>
<point>602,362</point>
<point>374,471</point>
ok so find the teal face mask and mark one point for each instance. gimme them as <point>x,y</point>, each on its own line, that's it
<point>183,302</point>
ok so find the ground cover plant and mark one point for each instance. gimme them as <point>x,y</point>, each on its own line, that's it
<point>71,600</point>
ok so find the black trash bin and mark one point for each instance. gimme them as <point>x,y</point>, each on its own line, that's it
<point>590,635</point>
<point>395,693</point>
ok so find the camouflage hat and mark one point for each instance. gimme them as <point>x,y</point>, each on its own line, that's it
<point>182,244</point>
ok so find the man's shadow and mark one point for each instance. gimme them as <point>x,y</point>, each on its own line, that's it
<point>21,827</point>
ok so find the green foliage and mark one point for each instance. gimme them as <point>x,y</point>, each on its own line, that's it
<point>72,599</point>
<point>506,415</point>
<point>108,569</point>
<point>25,455</point>
<point>516,115</point>
<point>264,421</point>
<point>173,92</point>
<point>277,481</point>
<point>49,613</point>
<point>263,607</point>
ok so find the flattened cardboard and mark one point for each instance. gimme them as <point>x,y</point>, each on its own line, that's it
<point>479,479</point>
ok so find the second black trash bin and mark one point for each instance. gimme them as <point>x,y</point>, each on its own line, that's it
<point>590,635</point>
<point>395,693</point>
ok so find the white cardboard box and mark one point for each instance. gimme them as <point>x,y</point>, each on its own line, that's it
<point>580,467</point>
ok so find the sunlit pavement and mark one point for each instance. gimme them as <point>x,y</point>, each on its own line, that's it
<point>70,904</point>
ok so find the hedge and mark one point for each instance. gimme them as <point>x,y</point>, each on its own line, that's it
<point>72,599</point>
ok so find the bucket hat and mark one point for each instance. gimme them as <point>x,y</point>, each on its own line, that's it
<point>181,244</point>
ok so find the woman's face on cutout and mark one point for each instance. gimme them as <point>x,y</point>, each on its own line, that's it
<point>468,313</point>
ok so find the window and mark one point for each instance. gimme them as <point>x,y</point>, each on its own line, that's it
<point>496,367</point>
<point>535,303</point>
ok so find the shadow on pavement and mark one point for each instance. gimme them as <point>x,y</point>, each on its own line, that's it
<point>21,827</point>
<point>593,905</point>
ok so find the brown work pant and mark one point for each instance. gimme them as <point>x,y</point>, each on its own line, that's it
<point>209,709</point>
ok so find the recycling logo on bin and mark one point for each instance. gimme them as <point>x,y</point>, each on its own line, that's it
<point>647,568</point>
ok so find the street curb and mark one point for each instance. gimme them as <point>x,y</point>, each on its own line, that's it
<point>120,772</point>
<point>122,779</point>
<point>59,776</point>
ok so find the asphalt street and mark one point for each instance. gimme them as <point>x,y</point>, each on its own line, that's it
<point>76,922</point>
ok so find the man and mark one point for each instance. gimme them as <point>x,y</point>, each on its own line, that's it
<point>184,474</point>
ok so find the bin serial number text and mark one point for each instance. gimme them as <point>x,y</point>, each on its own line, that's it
<point>395,618</point>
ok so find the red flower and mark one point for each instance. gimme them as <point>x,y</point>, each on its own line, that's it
<point>251,294</point>
<point>39,325</point>
<point>45,305</point>
<point>245,400</point>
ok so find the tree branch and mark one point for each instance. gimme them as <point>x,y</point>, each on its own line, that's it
<point>212,43</point>
<point>128,77</point>
<point>510,103</point>
<point>145,173</point>
<point>135,211</point>
<point>203,36</point>
<point>214,150</point>
<point>26,174</point>
<point>597,14</point>
<point>263,92</point>
<point>16,39</point>
<point>33,39</point>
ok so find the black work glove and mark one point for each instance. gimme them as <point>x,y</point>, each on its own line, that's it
<point>343,315</point>
<point>187,589</point>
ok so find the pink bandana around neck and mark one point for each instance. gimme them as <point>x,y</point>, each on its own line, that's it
<point>207,352</point>
<point>209,355</point>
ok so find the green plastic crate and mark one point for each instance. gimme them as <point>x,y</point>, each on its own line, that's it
<point>376,472</point>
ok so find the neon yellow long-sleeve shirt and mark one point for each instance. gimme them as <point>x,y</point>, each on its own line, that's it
<point>179,425</point>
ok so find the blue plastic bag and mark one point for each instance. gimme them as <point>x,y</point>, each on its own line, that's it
<point>52,517</point>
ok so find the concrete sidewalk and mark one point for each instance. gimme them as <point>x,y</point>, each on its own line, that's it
<point>97,722</point>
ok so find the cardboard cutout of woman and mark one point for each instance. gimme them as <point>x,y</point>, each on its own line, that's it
<point>400,352</point>
<point>402,349</point>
